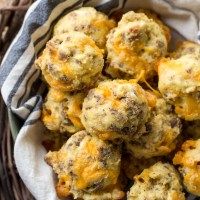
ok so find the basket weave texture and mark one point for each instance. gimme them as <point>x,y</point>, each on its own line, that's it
<point>11,187</point>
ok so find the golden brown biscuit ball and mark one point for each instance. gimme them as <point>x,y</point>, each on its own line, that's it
<point>89,21</point>
<point>159,182</point>
<point>179,80</point>
<point>135,45</point>
<point>86,167</point>
<point>115,110</point>
<point>189,161</point>
<point>71,61</point>
<point>133,166</point>
<point>61,111</point>
<point>161,132</point>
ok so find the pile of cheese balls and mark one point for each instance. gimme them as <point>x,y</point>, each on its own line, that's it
<point>129,107</point>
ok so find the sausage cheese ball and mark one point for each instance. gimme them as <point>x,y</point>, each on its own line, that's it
<point>162,130</point>
<point>61,111</point>
<point>135,45</point>
<point>159,182</point>
<point>86,167</point>
<point>133,166</point>
<point>179,80</point>
<point>189,161</point>
<point>89,21</point>
<point>115,110</point>
<point>71,61</point>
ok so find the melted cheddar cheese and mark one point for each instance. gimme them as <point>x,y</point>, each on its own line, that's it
<point>85,164</point>
<point>188,160</point>
<point>62,110</point>
<point>151,98</point>
<point>179,80</point>
<point>188,107</point>
<point>63,186</point>
<point>74,110</point>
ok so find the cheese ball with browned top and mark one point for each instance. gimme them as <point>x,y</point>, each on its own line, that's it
<point>158,182</point>
<point>71,61</point>
<point>61,111</point>
<point>134,46</point>
<point>179,80</point>
<point>115,110</point>
<point>161,132</point>
<point>89,21</point>
<point>188,160</point>
<point>87,167</point>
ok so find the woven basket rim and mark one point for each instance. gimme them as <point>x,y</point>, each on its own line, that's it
<point>11,185</point>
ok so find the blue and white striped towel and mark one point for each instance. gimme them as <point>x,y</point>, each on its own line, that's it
<point>22,89</point>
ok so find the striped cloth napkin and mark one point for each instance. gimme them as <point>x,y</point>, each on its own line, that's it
<point>22,88</point>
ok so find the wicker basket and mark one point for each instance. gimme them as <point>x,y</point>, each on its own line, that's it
<point>11,186</point>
